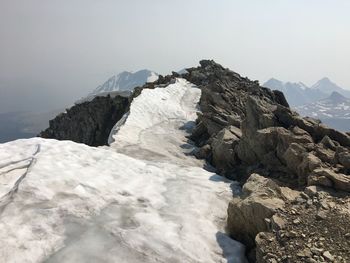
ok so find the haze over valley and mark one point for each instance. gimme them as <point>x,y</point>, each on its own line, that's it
<point>190,131</point>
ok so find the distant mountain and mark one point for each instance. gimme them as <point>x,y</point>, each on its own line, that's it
<point>296,93</point>
<point>17,125</point>
<point>327,86</point>
<point>122,84</point>
<point>334,111</point>
<point>126,81</point>
<point>299,94</point>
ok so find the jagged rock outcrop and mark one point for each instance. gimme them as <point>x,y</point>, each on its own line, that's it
<point>292,148</point>
<point>224,96</point>
<point>260,199</point>
<point>279,224</point>
<point>245,129</point>
<point>89,122</point>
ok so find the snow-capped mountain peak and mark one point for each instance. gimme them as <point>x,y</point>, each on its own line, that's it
<point>126,81</point>
<point>122,84</point>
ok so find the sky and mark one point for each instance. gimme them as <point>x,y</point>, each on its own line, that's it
<point>55,52</point>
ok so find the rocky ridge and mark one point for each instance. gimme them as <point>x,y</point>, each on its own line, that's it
<point>91,121</point>
<point>285,163</point>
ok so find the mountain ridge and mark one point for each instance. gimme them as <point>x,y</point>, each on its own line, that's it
<point>333,110</point>
<point>297,93</point>
<point>126,81</point>
<point>248,133</point>
<point>121,84</point>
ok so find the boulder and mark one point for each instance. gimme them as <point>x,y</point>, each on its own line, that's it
<point>294,156</point>
<point>261,198</point>
<point>342,138</point>
<point>339,181</point>
<point>325,154</point>
<point>276,148</point>
<point>204,152</point>
<point>309,163</point>
<point>329,143</point>
<point>342,156</point>
<point>224,157</point>
<point>318,180</point>
<point>288,194</point>
<point>277,223</point>
<point>259,115</point>
<point>245,153</point>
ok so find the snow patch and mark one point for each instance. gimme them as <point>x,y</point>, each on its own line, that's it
<point>153,77</point>
<point>131,202</point>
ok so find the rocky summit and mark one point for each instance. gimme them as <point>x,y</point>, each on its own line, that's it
<point>295,171</point>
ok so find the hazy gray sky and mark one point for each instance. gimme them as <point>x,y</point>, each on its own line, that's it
<point>55,51</point>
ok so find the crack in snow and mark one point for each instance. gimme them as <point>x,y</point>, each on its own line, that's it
<point>6,199</point>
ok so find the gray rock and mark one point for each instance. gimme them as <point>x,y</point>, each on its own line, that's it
<point>204,152</point>
<point>320,180</point>
<point>311,191</point>
<point>309,163</point>
<point>88,122</point>
<point>328,256</point>
<point>277,223</point>
<point>343,156</point>
<point>329,143</point>
<point>324,154</point>
<point>224,157</point>
<point>339,181</point>
<point>246,215</point>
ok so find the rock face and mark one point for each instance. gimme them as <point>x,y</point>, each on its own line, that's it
<point>246,128</point>
<point>223,105</point>
<point>261,198</point>
<point>89,122</point>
